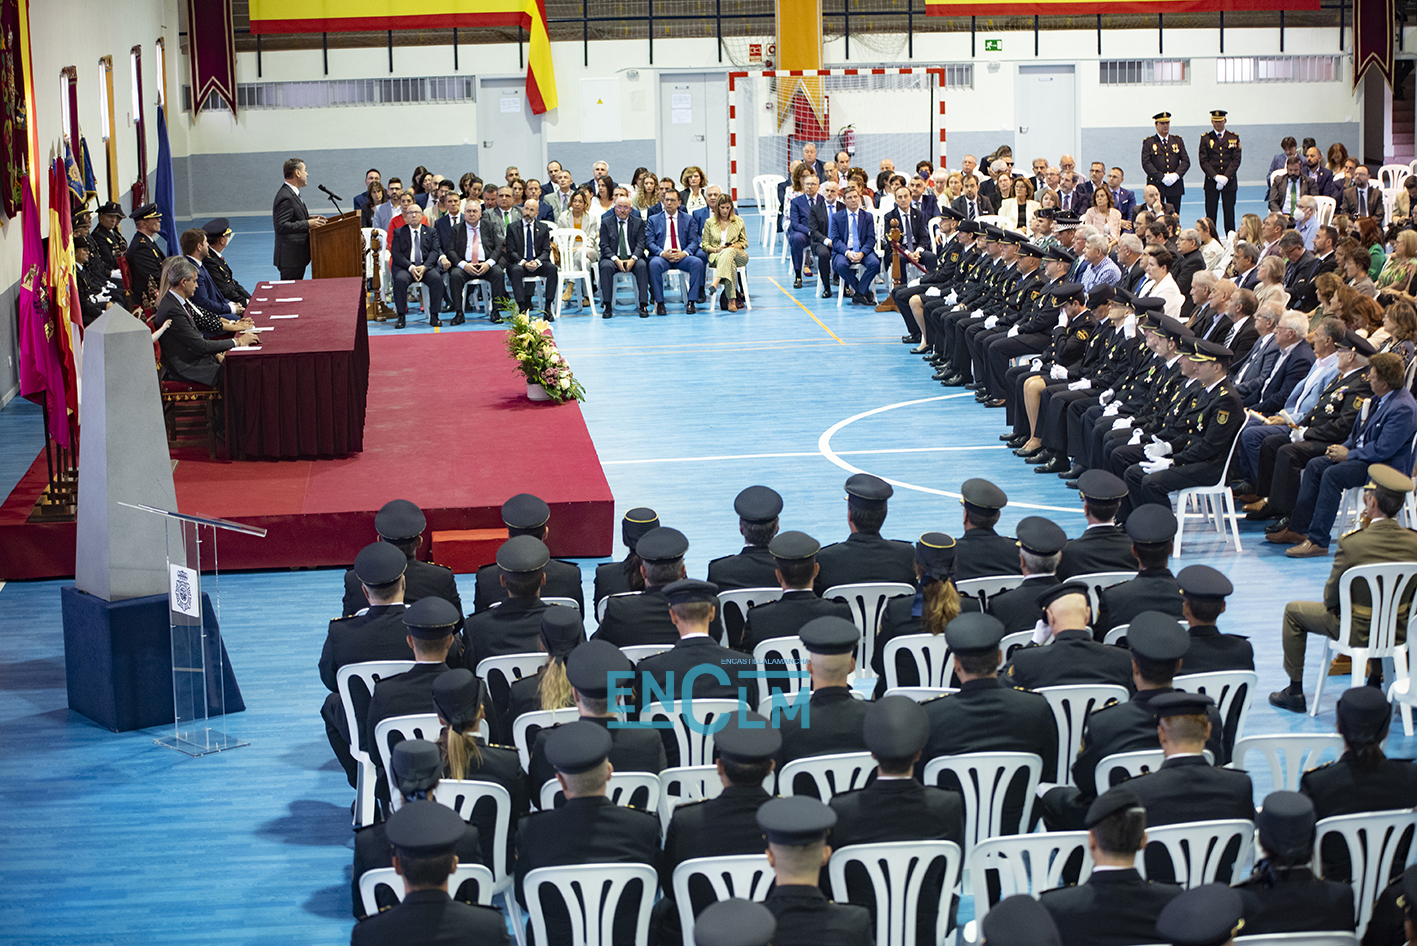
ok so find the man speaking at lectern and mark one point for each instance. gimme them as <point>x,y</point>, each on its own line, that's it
<point>293,222</point>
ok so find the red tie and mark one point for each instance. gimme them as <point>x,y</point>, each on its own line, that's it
<point>673,234</point>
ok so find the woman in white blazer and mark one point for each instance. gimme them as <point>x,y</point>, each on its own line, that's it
<point>1018,209</point>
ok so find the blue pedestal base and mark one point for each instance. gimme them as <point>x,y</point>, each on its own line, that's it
<point>118,661</point>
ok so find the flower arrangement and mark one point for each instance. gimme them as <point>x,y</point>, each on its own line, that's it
<point>531,343</point>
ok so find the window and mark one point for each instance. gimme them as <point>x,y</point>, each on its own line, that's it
<point>105,117</point>
<point>959,75</point>
<point>342,92</point>
<point>1279,69</point>
<point>1144,72</point>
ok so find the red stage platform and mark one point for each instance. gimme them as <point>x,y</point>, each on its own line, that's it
<point>448,427</point>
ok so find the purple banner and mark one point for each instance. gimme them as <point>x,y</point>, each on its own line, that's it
<point>1374,22</point>
<point>212,52</point>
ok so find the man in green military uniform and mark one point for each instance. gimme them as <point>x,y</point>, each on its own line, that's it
<point>1219,155</point>
<point>1164,159</point>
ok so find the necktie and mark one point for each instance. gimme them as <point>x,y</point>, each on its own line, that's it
<point>851,242</point>
<point>673,232</point>
<point>1293,196</point>
<point>530,243</point>
<point>417,253</point>
<point>473,245</point>
<point>624,243</point>
<point>1363,202</point>
<point>971,211</point>
<point>905,226</point>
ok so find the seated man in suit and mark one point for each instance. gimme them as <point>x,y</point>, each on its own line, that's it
<point>1363,198</point>
<point>470,249</point>
<point>673,241</point>
<point>622,250</point>
<point>187,355</point>
<point>1286,189</point>
<point>914,236</point>
<point>1123,199</point>
<point>853,242</point>
<point>527,254</point>
<point>971,203</point>
<point>807,229</point>
<point>414,251</point>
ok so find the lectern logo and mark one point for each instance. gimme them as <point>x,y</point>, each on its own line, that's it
<point>183,591</point>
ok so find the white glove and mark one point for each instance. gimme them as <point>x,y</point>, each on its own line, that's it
<point>1155,451</point>
<point>1041,631</point>
<point>1169,179</point>
<point>1106,396</point>
<point>1122,423</point>
<point>1220,181</point>
<point>990,322</point>
<point>1013,331</point>
<point>1059,373</point>
<point>1156,466</point>
<point>1084,385</point>
<point>1136,437</point>
<point>979,314</point>
<point>952,299</point>
<point>933,291</point>
<point>1035,364</point>
<point>117,274</point>
<point>913,283</point>
<point>1062,320</point>
<point>1296,434</point>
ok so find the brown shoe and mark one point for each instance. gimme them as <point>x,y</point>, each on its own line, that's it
<point>1287,537</point>
<point>1307,549</point>
<point>1340,666</point>
<point>1245,499</point>
<point>1255,506</point>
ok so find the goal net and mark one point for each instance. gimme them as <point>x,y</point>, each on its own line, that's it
<point>872,114</point>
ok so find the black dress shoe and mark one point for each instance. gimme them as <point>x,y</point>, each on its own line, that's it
<point>910,339</point>
<point>1055,465</point>
<point>1278,526</point>
<point>974,386</point>
<point>1013,443</point>
<point>659,308</point>
<point>1026,454</point>
<point>1074,473</point>
<point>1071,484</point>
<point>982,397</point>
<point>1007,437</point>
<point>1293,702</point>
<point>495,319</point>
<point>919,350</point>
<point>400,323</point>
<point>458,319</point>
<point>826,293</point>
<point>797,283</point>
<point>703,296</point>
<point>941,376</point>
<point>607,314</point>
<point>433,322</point>
<point>996,402</point>
<point>690,308</point>
<point>1040,457</point>
<point>644,312</point>
<point>863,299</point>
<point>951,380</point>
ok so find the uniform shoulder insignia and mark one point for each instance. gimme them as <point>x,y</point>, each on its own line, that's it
<point>436,565</point>
<point>1319,768</point>
<point>344,618</point>
<point>721,558</point>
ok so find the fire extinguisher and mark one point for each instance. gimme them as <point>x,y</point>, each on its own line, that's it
<point>847,137</point>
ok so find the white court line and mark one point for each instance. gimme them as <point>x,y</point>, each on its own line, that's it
<point>824,446</point>
<point>808,453</point>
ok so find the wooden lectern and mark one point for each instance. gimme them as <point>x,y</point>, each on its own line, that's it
<point>337,248</point>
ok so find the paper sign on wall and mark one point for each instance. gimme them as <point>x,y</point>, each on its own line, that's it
<point>511,104</point>
<point>182,592</point>
<point>681,100</point>
<point>600,109</point>
<point>681,116</point>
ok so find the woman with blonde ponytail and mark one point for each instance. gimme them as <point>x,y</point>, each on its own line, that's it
<point>548,688</point>
<point>934,604</point>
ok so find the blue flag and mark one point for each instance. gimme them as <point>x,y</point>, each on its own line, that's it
<point>72,173</point>
<point>164,193</point>
<point>90,184</point>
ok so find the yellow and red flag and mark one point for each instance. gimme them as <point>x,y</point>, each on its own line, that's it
<point>64,303</point>
<point>336,16</point>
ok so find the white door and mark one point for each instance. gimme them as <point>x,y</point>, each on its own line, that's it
<point>1045,114</point>
<point>693,125</point>
<point>509,132</point>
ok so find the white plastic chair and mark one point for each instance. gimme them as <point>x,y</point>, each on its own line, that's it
<point>1298,939</point>
<point>870,290</point>
<point>499,673</point>
<point>684,785</point>
<point>677,281</point>
<point>370,672</point>
<point>371,879</point>
<point>412,726</point>
<point>765,193</point>
<point>462,795</point>
<point>573,268</point>
<point>1116,635</point>
<point>603,603</point>
<point>921,694</point>
<point>1351,507</point>
<point>539,300</point>
<point>563,602</point>
<point>1289,756</point>
<point>1400,691</point>
<point>1372,838</point>
<point>1012,642</point>
<point>1205,498</point>
<point>830,774</point>
<point>985,587</point>
<point>1388,583</point>
<point>1233,692</point>
<point>1070,706</point>
<point>1276,174</point>
<point>784,654</point>
<point>1391,176</point>
<point>744,301</point>
<point>930,653</point>
<point>591,894</point>
<point>741,599</point>
<point>523,725</point>
<point>788,703</point>
<point>898,870</point>
<point>477,294</point>
<point>1198,847</point>
<point>992,219</point>
<point>1097,582</point>
<point>1134,763</point>
<point>637,652</point>
<point>935,227</point>
<point>1023,863</point>
<point>984,780</point>
<point>744,876</point>
<point>867,601</point>
<point>695,747</point>
<point>1327,207</point>
<point>621,788</point>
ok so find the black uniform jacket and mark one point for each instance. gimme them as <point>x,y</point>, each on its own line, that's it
<point>1101,548</point>
<point>421,580</point>
<point>1114,908</point>
<point>563,580</point>
<point>430,916</point>
<point>1073,658</point>
<point>805,917</point>
<point>785,616</point>
<point>863,558</point>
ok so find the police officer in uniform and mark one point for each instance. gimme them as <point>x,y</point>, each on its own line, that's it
<point>1020,920</point>
<point>985,715</point>
<point>1103,545</point>
<point>644,618</point>
<point>589,828</point>
<point>108,241</point>
<point>1208,915</point>
<point>1151,529</point>
<point>721,826</point>
<point>796,829</point>
<point>1203,594</point>
<point>430,623</point>
<point>1284,895</point>
<point>1219,156</point>
<point>425,837</point>
<point>795,568</point>
<point>1040,541</point>
<point>865,556</point>
<point>589,669</point>
<point>758,508</point>
<point>1395,913</point>
<point>1073,657</point>
<point>981,551</point>
<point>1158,644</point>
<point>401,524</point>
<point>144,257</point>
<point>614,578</point>
<point>1115,907</point>
<point>895,807</point>
<point>927,611</point>
<point>836,718</point>
<point>1164,159</point>
<point>218,235</point>
<point>514,625</point>
<point>526,514</point>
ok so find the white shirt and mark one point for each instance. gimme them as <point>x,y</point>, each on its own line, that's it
<point>293,187</point>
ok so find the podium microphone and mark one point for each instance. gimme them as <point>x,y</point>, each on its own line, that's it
<point>334,198</point>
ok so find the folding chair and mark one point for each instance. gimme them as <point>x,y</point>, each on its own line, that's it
<point>591,894</point>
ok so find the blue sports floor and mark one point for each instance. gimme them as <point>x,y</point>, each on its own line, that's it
<point>112,839</point>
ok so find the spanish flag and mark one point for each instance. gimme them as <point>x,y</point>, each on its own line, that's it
<point>342,16</point>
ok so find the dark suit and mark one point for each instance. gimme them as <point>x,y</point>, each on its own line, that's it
<point>1293,900</point>
<point>807,226</point>
<point>1078,202</point>
<point>1114,908</point>
<point>1018,607</point>
<point>291,219</point>
<point>591,830</point>
<point>657,241</point>
<point>983,206</point>
<point>1188,788</point>
<point>1103,547</point>
<point>754,567</point>
<point>430,916</point>
<point>402,258</point>
<point>187,355</point>
<point>609,252</point>
<point>834,725</point>
<point>400,695</point>
<point>644,619</point>
<point>512,627</point>
<point>372,851</point>
<point>515,256</point>
<point>610,579</point>
<point>1280,191</point>
<point>144,266</point>
<point>208,296</point>
<point>785,616</point>
<point>563,580</point>
<point>421,580</point>
<point>225,281</point>
<point>1211,651</point>
<point>983,553</point>
<point>452,244</point>
<point>839,232</point>
<point>1073,658</point>
<point>1152,590</point>
<point>1352,203</point>
<point>669,670</point>
<point>632,750</point>
<point>914,235</point>
<point>806,918</point>
<point>377,634</point>
<point>1252,371</point>
<point>864,557</point>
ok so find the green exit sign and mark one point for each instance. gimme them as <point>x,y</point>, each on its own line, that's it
<point>993,45</point>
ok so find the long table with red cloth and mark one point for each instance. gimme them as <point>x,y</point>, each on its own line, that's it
<point>303,392</point>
